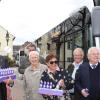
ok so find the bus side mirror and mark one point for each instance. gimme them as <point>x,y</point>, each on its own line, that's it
<point>95,18</point>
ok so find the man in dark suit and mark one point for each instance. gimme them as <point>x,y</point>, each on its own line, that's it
<point>87,80</point>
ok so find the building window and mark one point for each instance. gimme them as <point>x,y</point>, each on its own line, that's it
<point>69,59</point>
<point>48,46</point>
<point>69,45</point>
<point>78,40</point>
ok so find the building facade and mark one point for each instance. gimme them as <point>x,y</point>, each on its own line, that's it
<point>6,43</point>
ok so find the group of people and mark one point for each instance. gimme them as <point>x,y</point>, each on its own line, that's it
<point>48,72</point>
<point>81,79</point>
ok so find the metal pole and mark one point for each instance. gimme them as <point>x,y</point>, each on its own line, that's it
<point>84,34</point>
<point>64,51</point>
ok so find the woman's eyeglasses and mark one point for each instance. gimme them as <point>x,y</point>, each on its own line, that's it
<point>52,62</point>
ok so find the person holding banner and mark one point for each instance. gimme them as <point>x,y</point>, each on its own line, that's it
<point>32,77</point>
<point>54,78</point>
<point>5,91</point>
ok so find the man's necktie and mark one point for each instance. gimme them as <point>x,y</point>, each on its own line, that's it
<point>93,66</point>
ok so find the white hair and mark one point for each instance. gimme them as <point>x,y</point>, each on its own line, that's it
<point>78,50</point>
<point>33,53</point>
<point>93,48</point>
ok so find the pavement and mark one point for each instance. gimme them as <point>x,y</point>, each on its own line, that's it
<point>17,90</point>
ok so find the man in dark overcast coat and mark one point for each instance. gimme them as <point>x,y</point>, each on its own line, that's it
<point>87,80</point>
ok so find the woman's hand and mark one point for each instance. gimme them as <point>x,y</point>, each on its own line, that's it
<point>61,83</point>
<point>9,82</point>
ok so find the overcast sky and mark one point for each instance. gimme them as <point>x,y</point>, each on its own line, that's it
<point>27,20</point>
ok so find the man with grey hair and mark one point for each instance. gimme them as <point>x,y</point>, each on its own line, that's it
<point>24,61</point>
<point>32,77</point>
<point>87,80</point>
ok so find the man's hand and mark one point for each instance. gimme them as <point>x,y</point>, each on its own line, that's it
<point>85,92</point>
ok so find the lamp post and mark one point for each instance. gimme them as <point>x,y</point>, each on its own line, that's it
<point>7,37</point>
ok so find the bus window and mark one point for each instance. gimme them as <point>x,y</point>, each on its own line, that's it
<point>21,53</point>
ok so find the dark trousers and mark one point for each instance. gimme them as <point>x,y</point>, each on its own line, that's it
<point>3,91</point>
<point>72,96</point>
